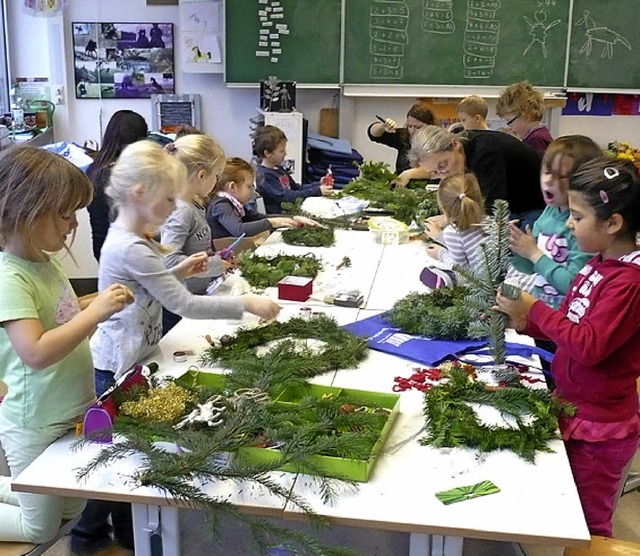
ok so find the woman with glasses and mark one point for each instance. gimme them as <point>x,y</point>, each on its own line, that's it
<point>505,167</point>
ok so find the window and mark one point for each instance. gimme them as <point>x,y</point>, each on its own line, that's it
<point>4,66</point>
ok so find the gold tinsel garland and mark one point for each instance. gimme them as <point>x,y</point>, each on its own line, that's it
<point>159,405</point>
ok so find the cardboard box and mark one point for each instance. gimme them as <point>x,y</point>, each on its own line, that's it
<point>246,244</point>
<point>295,288</point>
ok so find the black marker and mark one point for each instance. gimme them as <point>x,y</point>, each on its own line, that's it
<point>382,120</point>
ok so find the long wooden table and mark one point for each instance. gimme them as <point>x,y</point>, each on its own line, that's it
<point>537,504</point>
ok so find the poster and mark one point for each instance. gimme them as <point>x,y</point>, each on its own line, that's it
<point>123,60</point>
<point>200,30</point>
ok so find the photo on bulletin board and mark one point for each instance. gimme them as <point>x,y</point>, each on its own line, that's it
<point>123,60</point>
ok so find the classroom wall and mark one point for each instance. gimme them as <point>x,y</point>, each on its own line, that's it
<point>225,111</point>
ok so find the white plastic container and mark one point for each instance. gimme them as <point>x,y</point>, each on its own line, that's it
<point>388,231</point>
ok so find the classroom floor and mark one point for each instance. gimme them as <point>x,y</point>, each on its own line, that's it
<point>195,541</point>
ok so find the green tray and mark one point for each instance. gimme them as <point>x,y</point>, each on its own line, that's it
<point>331,466</point>
<point>328,466</point>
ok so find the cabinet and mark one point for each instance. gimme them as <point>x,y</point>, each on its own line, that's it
<point>292,125</point>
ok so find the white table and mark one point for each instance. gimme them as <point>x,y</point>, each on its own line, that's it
<point>538,504</point>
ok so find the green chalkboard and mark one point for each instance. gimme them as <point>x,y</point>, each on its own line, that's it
<point>295,40</point>
<point>605,44</point>
<point>462,42</point>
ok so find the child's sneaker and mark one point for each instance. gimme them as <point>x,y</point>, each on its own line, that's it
<point>435,278</point>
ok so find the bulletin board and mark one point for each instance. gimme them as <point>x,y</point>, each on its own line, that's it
<point>122,60</point>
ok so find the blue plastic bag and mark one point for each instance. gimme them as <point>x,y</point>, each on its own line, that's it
<point>381,335</point>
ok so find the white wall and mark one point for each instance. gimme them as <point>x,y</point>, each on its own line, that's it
<point>225,111</point>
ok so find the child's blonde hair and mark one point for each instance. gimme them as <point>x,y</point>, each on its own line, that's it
<point>33,184</point>
<point>460,200</point>
<point>145,164</point>
<point>522,99</point>
<point>473,105</point>
<point>233,170</point>
<point>197,152</point>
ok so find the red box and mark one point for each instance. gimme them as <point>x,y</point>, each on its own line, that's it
<point>295,288</point>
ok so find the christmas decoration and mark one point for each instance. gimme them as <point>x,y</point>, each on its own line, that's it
<point>375,184</point>
<point>442,313</point>
<point>452,422</point>
<point>292,360</point>
<point>265,272</point>
<point>315,236</point>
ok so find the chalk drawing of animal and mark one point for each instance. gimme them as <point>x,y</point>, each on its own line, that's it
<point>599,34</point>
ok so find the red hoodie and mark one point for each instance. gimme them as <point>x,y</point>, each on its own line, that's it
<point>597,331</point>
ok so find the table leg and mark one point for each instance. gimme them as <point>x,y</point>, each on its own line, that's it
<point>434,545</point>
<point>156,531</point>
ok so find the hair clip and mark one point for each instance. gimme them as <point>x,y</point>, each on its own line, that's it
<point>603,194</point>
<point>461,196</point>
<point>610,172</point>
<point>171,147</point>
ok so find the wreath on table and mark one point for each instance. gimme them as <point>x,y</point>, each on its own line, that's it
<point>265,272</point>
<point>315,236</point>
<point>290,358</point>
<point>442,313</point>
<point>452,422</point>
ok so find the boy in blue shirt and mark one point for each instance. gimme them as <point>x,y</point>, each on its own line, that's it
<point>273,182</point>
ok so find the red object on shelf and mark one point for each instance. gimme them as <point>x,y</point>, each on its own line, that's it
<point>295,288</point>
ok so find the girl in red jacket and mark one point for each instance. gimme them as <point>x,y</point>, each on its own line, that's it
<point>597,331</point>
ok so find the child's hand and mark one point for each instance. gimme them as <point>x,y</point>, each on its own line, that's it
<point>326,190</point>
<point>516,309</point>
<point>110,301</point>
<point>434,250</point>
<point>433,226</point>
<point>523,244</point>
<point>230,263</point>
<point>261,306</point>
<point>302,221</point>
<point>193,265</point>
<point>282,222</point>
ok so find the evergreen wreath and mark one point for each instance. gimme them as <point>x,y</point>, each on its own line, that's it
<point>452,422</point>
<point>315,236</point>
<point>442,313</point>
<point>290,362</point>
<point>265,272</point>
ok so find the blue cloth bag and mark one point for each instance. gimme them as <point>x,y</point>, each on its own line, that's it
<point>381,335</point>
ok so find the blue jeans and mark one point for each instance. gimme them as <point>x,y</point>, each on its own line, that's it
<point>93,528</point>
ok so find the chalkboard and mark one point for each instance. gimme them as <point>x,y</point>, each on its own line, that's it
<point>605,44</point>
<point>442,42</point>
<point>175,110</point>
<point>295,40</point>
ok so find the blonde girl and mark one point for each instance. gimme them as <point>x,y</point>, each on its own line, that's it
<point>186,231</point>
<point>45,358</point>
<point>227,213</point>
<point>144,185</point>
<point>460,202</point>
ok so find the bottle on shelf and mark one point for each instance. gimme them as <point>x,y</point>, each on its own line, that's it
<point>17,110</point>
